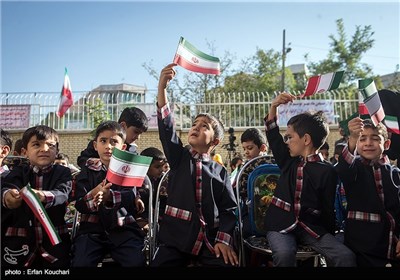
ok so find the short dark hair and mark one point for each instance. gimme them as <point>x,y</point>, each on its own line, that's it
<point>255,135</point>
<point>62,156</point>
<point>314,125</point>
<point>5,138</point>
<point>112,126</point>
<point>380,127</point>
<point>325,146</point>
<point>133,116</point>
<point>42,132</point>
<point>154,153</point>
<point>18,146</point>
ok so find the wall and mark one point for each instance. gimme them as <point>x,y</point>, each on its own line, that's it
<point>72,143</point>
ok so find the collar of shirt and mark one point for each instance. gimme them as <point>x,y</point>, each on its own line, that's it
<point>382,161</point>
<point>40,171</point>
<point>313,158</point>
<point>197,156</point>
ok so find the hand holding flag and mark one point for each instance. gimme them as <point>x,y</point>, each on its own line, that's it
<point>127,169</point>
<point>66,99</point>
<point>371,100</point>
<point>322,83</point>
<point>194,60</point>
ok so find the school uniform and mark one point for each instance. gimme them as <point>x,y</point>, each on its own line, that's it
<point>373,208</point>
<point>303,203</point>
<point>25,242</point>
<point>109,228</point>
<point>200,208</point>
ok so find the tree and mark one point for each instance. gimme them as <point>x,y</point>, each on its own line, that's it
<point>193,87</point>
<point>346,54</point>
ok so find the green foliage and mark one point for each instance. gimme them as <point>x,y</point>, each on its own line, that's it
<point>346,54</point>
<point>96,112</point>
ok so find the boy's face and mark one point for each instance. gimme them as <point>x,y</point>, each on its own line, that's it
<point>295,144</point>
<point>105,143</point>
<point>371,145</point>
<point>201,134</point>
<point>132,133</point>
<point>41,153</point>
<point>61,162</point>
<point>156,169</point>
<point>250,150</point>
<point>324,153</point>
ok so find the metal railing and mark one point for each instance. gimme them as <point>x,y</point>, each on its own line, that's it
<point>239,110</point>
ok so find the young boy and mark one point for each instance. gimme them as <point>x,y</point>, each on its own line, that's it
<point>107,222</point>
<point>199,218</point>
<point>5,148</point>
<point>26,242</point>
<point>302,206</point>
<point>254,143</point>
<point>133,121</point>
<point>372,186</point>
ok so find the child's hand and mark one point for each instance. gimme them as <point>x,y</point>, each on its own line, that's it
<point>139,205</point>
<point>13,199</point>
<point>356,127</point>
<point>102,193</point>
<point>282,98</point>
<point>40,195</point>
<point>167,74</point>
<point>227,252</point>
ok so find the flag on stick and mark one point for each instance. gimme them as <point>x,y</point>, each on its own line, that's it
<point>362,109</point>
<point>392,124</point>
<point>66,99</point>
<point>194,60</point>
<point>127,169</point>
<point>30,197</point>
<point>371,100</point>
<point>322,83</point>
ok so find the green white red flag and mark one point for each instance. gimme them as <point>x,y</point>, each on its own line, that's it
<point>392,124</point>
<point>371,100</point>
<point>194,60</point>
<point>127,169</point>
<point>322,83</point>
<point>66,99</point>
<point>30,197</point>
<point>362,109</point>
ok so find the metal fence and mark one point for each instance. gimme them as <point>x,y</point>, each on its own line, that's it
<point>238,110</point>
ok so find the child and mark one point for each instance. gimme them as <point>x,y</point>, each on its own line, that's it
<point>133,121</point>
<point>371,185</point>
<point>302,206</point>
<point>107,222</point>
<point>199,218</point>
<point>5,148</point>
<point>26,242</point>
<point>154,173</point>
<point>254,143</point>
<point>324,151</point>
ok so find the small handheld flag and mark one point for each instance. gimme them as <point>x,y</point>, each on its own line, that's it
<point>322,83</point>
<point>31,199</point>
<point>127,169</point>
<point>194,60</point>
<point>66,99</point>
<point>372,101</point>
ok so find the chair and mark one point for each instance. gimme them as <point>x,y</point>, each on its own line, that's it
<point>255,185</point>
<point>161,195</point>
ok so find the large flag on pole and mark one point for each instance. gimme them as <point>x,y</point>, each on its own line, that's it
<point>194,60</point>
<point>66,99</point>
<point>322,83</point>
<point>30,197</point>
<point>127,169</point>
<point>372,101</point>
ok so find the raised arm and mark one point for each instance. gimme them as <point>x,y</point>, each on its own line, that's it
<point>282,98</point>
<point>167,74</point>
<point>355,128</point>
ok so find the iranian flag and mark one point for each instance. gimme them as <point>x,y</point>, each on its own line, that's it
<point>127,169</point>
<point>66,100</point>
<point>362,109</point>
<point>322,83</point>
<point>371,100</point>
<point>31,199</point>
<point>392,124</point>
<point>194,60</point>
